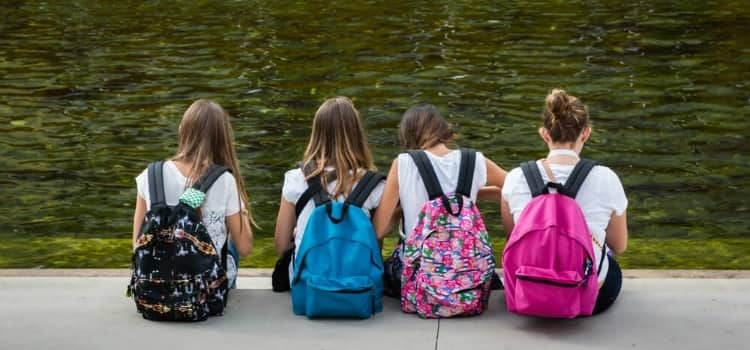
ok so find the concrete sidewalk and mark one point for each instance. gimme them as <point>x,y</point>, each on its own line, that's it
<point>93,313</point>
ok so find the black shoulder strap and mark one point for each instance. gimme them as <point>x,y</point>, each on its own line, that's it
<point>314,190</point>
<point>211,175</point>
<point>601,260</point>
<point>534,178</point>
<point>303,199</point>
<point>364,187</point>
<point>156,183</point>
<point>466,171</point>
<point>225,253</point>
<point>427,173</point>
<point>577,176</point>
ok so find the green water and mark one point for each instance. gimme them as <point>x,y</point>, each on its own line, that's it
<point>90,92</point>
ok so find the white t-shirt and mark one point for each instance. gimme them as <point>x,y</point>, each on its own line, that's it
<point>600,196</point>
<point>222,200</point>
<point>295,184</point>
<point>412,192</point>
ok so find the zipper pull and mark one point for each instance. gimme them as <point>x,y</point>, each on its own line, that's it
<point>587,268</point>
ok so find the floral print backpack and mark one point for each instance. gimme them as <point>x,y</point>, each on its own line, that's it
<point>448,259</point>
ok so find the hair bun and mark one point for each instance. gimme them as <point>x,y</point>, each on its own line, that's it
<point>565,116</point>
<point>557,103</point>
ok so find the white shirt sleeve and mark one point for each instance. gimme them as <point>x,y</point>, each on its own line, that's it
<point>480,170</point>
<point>373,201</point>
<point>233,204</point>
<point>294,185</point>
<point>511,180</point>
<point>141,183</point>
<point>615,197</point>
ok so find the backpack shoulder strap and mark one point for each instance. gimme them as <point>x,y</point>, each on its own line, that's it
<point>302,201</point>
<point>534,178</point>
<point>577,176</point>
<point>466,171</point>
<point>601,261</point>
<point>427,173</point>
<point>156,183</point>
<point>314,191</point>
<point>211,175</point>
<point>364,187</point>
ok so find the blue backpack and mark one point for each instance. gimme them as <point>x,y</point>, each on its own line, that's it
<point>338,269</point>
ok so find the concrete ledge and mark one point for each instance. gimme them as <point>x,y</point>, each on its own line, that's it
<point>92,313</point>
<point>247,272</point>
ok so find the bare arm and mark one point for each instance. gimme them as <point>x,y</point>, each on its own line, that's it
<point>489,194</point>
<point>140,213</point>
<point>241,232</point>
<point>617,233</point>
<point>286,221</point>
<point>507,218</point>
<point>495,174</point>
<point>495,180</point>
<point>383,219</point>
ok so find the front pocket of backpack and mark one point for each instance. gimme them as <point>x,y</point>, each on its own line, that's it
<point>177,300</point>
<point>342,297</point>
<point>184,311</point>
<point>168,290</point>
<point>451,294</point>
<point>548,293</point>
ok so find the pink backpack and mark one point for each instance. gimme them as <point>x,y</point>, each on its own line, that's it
<point>448,259</point>
<point>548,262</point>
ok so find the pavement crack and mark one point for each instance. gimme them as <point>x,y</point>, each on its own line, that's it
<point>437,335</point>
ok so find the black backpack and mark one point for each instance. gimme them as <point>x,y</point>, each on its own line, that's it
<point>178,275</point>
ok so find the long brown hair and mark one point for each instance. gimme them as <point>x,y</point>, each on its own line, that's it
<point>205,138</point>
<point>565,116</point>
<point>423,127</point>
<point>337,140</point>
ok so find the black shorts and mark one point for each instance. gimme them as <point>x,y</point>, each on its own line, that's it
<point>611,288</point>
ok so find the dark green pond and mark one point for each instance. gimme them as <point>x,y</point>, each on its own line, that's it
<point>91,91</point>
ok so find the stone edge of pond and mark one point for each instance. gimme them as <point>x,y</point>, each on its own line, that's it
<point>260,272</point>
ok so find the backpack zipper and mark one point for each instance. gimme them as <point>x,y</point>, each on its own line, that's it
<point>586,272</point>
<point>552,283</point>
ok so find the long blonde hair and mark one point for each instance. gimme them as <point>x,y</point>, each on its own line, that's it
<point>337,140</point>
<point>205,138</point>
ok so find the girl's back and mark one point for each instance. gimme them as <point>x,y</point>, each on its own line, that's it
<point>338,154</point>
<point>566,128</point>
<point>426,134</point>
<point>222,200</point>
<point>295,184</point>
<point>200,201</point>
<point>412,192</point>
<point>601,194</point>
<point>336,269</point>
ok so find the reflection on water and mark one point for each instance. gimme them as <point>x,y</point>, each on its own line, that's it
<point>91,92</point>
